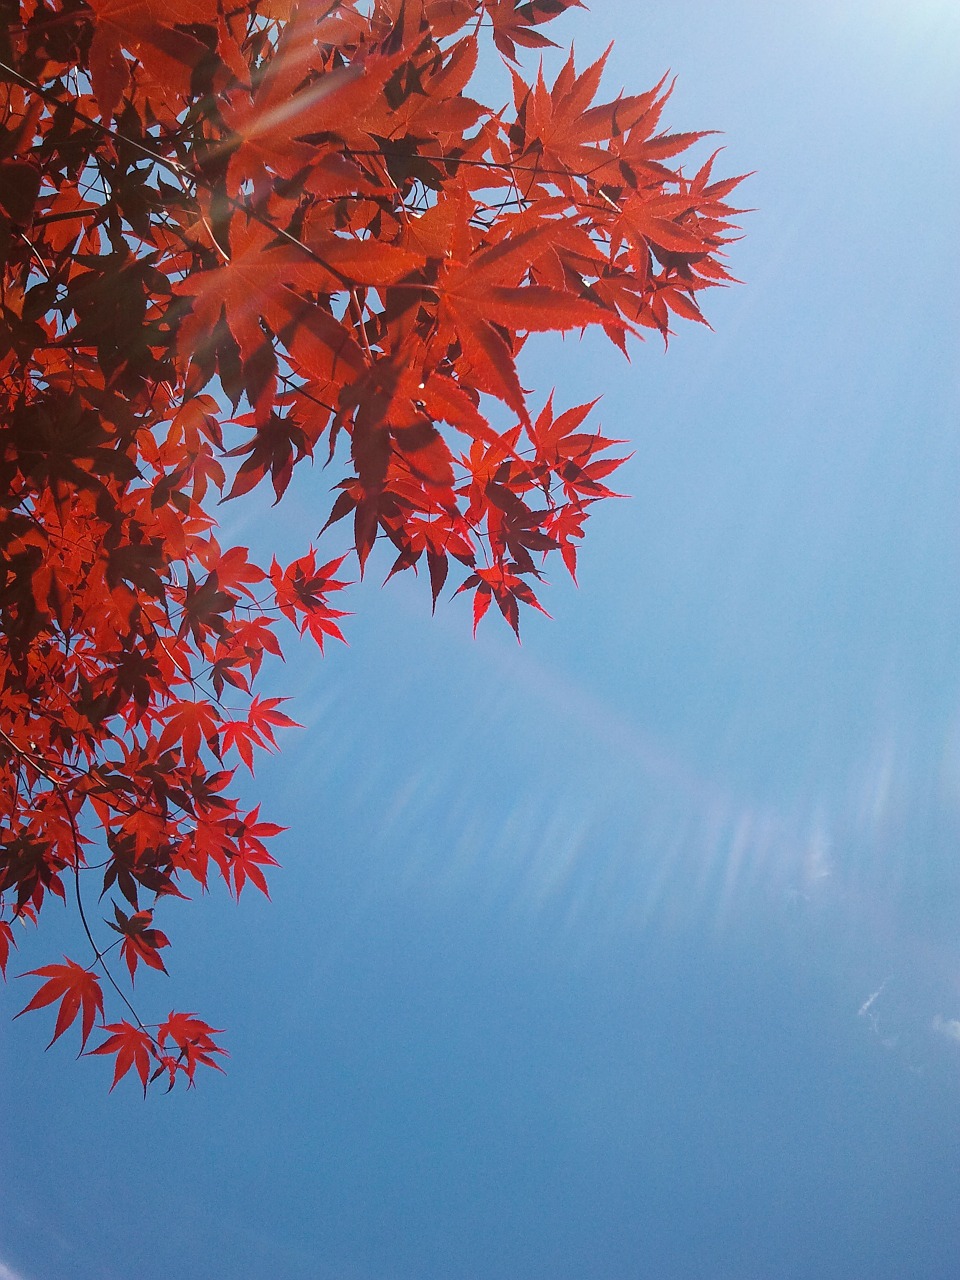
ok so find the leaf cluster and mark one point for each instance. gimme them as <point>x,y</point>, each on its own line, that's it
<point>237,236</point>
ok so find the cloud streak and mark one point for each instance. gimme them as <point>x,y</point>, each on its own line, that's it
<point>8,1273</point>
<point>864,1008</point>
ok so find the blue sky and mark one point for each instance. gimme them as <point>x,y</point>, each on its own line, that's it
<point>632,951</point>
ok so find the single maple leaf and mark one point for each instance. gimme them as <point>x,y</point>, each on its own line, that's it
<point>250,854</point>
<point>240,736</point>
<point>189,723</point>
<point>481,297</point>
<point>264,716</point>
<point>140,940</point>
<point>76,988</point>
<point>133,1047</point>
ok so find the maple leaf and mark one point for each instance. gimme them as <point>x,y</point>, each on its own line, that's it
<point>241,736</point>
<point>264,716</point>
<point>509,590</point>
<point>189,723</point>
<point>29,865</point>
<point>278,444</point>
<point>203,606</point>
<point>563,524</point>
<point>133,1047</point>
<point>170,1064</point>
<point>257,729</point>
<point>250,854</point>
<point>513,23</point>
<point>141,942</point>
<point>488,283</point>
<point>302,588</point>
<point>78,991</point>
<point>194,1040</point>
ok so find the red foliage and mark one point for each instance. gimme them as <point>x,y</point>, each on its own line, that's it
<point>297,210</point>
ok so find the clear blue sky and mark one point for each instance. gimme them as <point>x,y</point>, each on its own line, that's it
<point>632,952</point>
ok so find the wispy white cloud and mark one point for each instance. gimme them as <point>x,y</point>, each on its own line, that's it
<point>865,1007</point>
<point>949,1027</point>
<point>8,1273</point>
<point>867,1010</point>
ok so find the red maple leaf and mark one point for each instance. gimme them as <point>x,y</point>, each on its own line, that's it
<point>133,1047</point>
<point>141,942</point>
<point>78,991</point>
<point>194,1040</point>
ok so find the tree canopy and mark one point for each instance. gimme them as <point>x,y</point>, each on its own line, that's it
<point>237,236</point>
